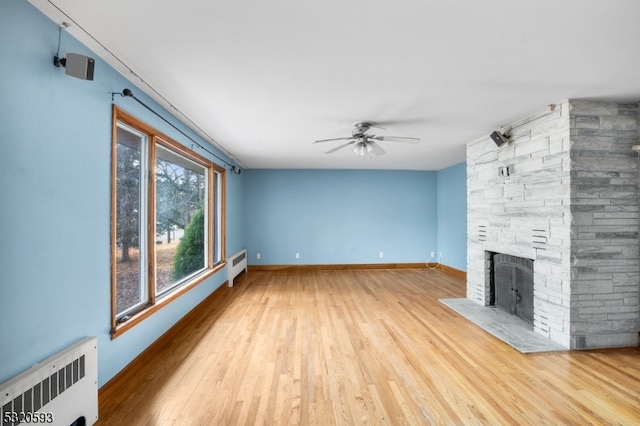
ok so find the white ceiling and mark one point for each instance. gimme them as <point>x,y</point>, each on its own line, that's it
<point>264,79</point>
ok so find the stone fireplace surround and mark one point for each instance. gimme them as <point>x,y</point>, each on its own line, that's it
<point>568,201</point>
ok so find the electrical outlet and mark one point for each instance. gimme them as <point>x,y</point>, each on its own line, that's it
<point>381,254</point>
<point>433,254</point>
<point>258,255</point>
<point>297,255</point>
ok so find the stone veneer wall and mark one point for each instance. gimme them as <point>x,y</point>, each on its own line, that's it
<point>604,205</point>
<point>570,203</point>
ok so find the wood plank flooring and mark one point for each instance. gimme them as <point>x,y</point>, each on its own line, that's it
<point>315,347</point>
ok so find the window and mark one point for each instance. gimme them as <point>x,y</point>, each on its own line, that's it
<point>166,231</point>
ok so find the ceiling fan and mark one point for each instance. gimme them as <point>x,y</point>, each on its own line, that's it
<point>365,143</point>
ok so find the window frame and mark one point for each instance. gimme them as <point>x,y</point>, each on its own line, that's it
<point>216,207</point>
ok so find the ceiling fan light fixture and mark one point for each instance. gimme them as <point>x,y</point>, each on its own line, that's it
<point>364,144</point>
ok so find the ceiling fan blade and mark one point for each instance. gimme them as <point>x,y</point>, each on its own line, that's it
<point>335,139</point>
<point>405,139</point>
<point>376,148</point>
<point>339,147</point>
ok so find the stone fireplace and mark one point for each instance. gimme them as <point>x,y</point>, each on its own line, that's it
<point>563,194</point>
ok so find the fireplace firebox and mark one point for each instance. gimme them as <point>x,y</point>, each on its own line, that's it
<point>512,285</point>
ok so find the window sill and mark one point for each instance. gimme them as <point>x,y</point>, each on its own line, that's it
<point>118,329</point>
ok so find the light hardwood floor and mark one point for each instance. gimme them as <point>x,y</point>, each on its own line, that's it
<point>359,347</point>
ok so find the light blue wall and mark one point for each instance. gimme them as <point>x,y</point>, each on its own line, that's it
<point>55,191</point>
<point>55,183</point>
<point>339,216</point>
<point>235,208</point>
<point>452,216</point>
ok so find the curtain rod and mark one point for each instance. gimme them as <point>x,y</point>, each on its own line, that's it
<point>127,93</point>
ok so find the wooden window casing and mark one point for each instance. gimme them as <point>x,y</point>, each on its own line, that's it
<point>215,222</point>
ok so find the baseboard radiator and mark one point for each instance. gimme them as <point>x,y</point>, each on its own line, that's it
<point>236,264</point>
<point>61,390</point>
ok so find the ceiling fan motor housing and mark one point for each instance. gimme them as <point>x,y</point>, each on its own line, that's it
<point>360,127</point>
